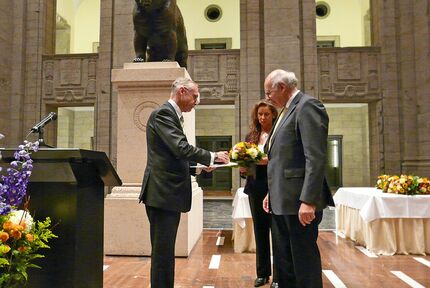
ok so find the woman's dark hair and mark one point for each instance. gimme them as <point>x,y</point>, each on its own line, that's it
<point>255,126</point>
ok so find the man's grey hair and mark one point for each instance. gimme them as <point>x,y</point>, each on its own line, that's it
<point>282,76</point>
<point>182,82</point>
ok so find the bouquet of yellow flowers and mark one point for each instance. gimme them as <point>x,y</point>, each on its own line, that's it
<point>403,184</point>
<point>246,154</point>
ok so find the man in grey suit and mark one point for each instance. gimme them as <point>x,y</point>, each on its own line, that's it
<point>166,188</point>
<point>298,190</point>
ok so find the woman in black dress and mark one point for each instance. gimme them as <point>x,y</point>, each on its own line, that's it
<point>263,116</point>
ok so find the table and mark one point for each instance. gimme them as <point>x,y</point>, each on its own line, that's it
<point>384,223</point>
<point>243,228</point>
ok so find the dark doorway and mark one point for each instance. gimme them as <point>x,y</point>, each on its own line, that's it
<point>219,179</point>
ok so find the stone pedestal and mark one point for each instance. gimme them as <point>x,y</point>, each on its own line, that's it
<point>142,87</point>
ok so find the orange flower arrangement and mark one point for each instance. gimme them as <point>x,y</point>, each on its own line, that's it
<point>403,184</point>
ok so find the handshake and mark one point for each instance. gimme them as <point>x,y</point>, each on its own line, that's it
<point>221,157</point>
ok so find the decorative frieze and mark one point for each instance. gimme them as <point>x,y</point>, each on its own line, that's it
<point>349,74</point>
<point>217,73</point>
<point>69,79</point>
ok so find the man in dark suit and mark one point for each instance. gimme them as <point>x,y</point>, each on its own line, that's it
<point>166,188</point>
<point>298,190</point>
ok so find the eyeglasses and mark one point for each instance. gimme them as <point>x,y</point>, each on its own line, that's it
<point>267,94</point>
<point>195,96</point>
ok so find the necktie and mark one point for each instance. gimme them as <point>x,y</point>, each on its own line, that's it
<point>279,120</point>
<point>182,121</point>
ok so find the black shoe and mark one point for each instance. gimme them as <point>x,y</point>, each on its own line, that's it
<point>261,281</point>
<point>274,285</point>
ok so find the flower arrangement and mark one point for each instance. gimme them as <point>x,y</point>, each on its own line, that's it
<point>403,184</point>
<point>245,154</point>
<point>20,236</point>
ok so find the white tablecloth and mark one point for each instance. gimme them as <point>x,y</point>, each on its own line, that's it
<point>384,223</point>
<point>374,204</point>
<point>241,209</point>
<point>243,229</point>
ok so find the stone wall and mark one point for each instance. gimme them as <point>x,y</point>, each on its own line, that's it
<point>216,122</point>
<point>6,42</point>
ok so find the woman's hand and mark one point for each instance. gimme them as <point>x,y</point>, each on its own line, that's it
<point>266,203</point>
<point>263,161</point>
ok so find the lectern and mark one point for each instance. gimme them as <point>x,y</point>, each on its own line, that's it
<point>68,186</point>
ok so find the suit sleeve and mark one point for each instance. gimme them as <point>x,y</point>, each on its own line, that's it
<point>313,126</point>
<point>176,141</point>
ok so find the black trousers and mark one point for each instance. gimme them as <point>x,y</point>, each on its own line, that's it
<point>163,229</point>
<point>262,223</point>
<point>297,256</point>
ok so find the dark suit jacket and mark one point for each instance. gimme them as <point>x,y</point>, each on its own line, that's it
<point>297,158</point>
<point>167,183</point>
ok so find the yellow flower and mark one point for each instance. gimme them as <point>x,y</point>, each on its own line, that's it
<point>8,225</point>
<point>234,155</point>
<point>4,249</point>
<point>19,227</point>
<point>29,237</point>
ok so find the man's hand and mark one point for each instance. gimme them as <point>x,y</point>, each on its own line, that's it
<point>222,157</point>
<point>306,213</point>
<point>266,203</point>
<point>209,169</point>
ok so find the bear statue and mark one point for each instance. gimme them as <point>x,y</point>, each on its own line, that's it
<point>159,32</point>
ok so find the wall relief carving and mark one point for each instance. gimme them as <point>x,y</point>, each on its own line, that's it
<point>206,68</point>
<point>69,95</point>
<point>141,114</point>
<point>69,79</point>
<point>70,72</point>
<point>349,89</point>
<point>351,73</point>
<point>217,72</point>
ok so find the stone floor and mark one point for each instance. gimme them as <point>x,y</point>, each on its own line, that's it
<point>214,264</point>
<point>217,215</point>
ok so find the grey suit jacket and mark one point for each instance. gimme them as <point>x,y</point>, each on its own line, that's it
<point>297,158</point>
<point>166,182</point>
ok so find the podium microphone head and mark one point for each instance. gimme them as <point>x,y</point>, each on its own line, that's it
<point>50,117</point>
<point>54,115</point>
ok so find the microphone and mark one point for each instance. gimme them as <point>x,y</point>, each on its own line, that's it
<point>51,116</point>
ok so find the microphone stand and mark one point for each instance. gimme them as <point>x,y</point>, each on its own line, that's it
<point>38,128</point>
<point>41,140</point>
